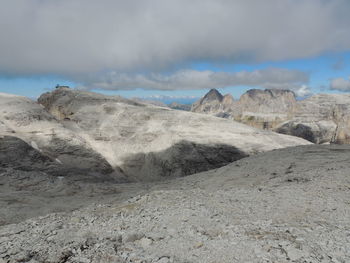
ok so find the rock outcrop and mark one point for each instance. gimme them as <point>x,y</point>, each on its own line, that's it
<point>213,103</point>
<point>27,120</point>
<point>263,109</point>
<point>18,155</point>
<point>322,118</point>
<point>149,142</point>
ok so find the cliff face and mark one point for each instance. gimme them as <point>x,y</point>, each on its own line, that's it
<point>263,109</point>
<point>213,103</point>
<point>26,120</point>
<point>322,118</point>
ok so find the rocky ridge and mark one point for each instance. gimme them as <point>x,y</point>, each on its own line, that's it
<point>92,146</point>
<point>322,118</point>
<point>148,142</point>
<point>213,103</point>
<point>27,120</point>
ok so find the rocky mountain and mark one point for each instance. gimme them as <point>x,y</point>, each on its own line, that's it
<point>321,118</point>
<point>28,121</point>
<point>76,147</point>
<point>287,205</point>
<point>148,142</point>
<point>86,177</point>
<point>213,103</point>
<point>264,109</point>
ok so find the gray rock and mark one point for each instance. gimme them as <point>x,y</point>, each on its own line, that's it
<point>215,216</point>
<point>151,143</point>
<point>322,118</point>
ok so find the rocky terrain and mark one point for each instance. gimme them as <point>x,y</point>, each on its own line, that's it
<point>287,205</point>
<point>91,178</point>
<point>86,146</point>
<point>322,118</point>
<point>146,142</point>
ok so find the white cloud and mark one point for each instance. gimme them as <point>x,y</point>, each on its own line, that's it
<point>83,37</point>
<point>273,78</point>
<point>303,91</point>
<point>340,84</point>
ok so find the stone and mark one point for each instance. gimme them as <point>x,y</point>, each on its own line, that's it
<point>132,237</point>
<point>145,242</point>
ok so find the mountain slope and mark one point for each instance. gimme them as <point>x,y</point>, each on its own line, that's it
<point>149,142</point>
<point>322,118</point>
<point>25,119</point>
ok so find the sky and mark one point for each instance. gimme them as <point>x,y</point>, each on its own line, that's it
<point>174,49</point>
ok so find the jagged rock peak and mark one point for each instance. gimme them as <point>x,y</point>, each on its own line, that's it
<point>213,102</point>
<point>213,94</point>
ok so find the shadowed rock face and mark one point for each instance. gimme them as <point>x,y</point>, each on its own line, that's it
<point>149,142</point>
<point>31,123</point>
<point>316,132</point>
<point>18,155</point>
<point>181,159</point>
<point>322,118</point>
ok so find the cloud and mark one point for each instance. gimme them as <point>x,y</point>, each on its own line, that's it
<point>272,78</point>
<point>303,91</point>
<point>82,37</point>
<point>340,84</point>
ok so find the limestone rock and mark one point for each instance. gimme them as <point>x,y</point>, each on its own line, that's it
<point>317,132</point>
<point>215,216</point>
<point>149,142</point>
<point>213,103</point>
<point>322,118</point>
<point>263,109</point>
<point>29,121</point>
<point>18,155</point>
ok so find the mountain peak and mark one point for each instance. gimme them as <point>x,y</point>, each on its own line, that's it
<point>213,94</point>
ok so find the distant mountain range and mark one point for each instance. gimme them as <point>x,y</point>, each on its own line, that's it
<point>321,118</point>
<point>188,100</point>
